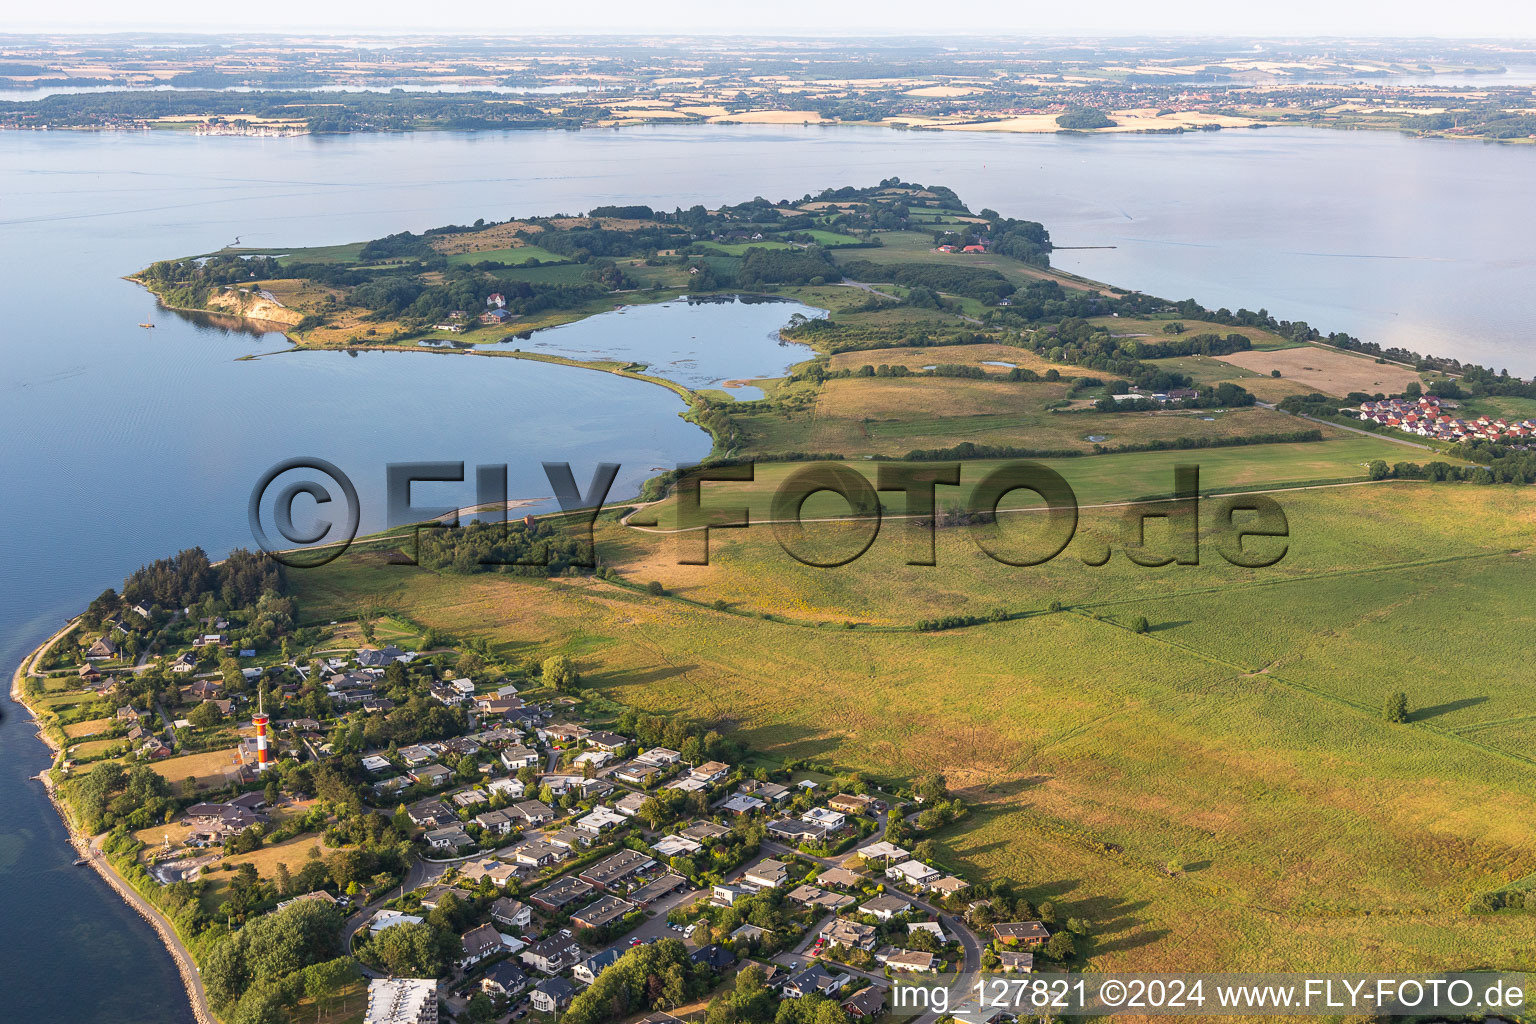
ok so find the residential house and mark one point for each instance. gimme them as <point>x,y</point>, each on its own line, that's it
<point>206,689</point>
<point>587,971</point>
<point>416,756</point>
<point>811,896</point>
<point>656,889</point>
<point>705,831</point>
<point>839,878</point>
<point>555,954</point>
<point>911,960</point>
<point>497,822</point>
<point>768,874</point>
<point>636,772</point>
<point>504,980</point>
<point>381,657</point>
<point>515,758</point>
<point>886,906</point>
<point>102,650</point>
<point>604,911</point>
<point>742,803</point>
<point>559,785</point>
<point>883,851</point>
<point>612,742</point>
<point>388,787</point>
<point>452,837</point>
<point>1014,962</point>
<point>659,757</point>
<point>537,853</point>
<point>676,846</point>
<point>710,772</point>
<point>478,944</point>
<point>513,788</point>
<point>615,870</point>
<point>931,927</point>
<point>533,812</point>
<point>867,1003</point>
<point>389,918</point>
<point>797,831</point>
<point>949,885</point>
<point>1020,933</point>
<point>851,803</point>
<point>841,931</point>
<point>376,763</point>
<point>629,804</point>
<point>726,895</point>
<point>749,932</point>
<point>509,913</point>
<point>571,839</point>
<point>498,871</point>
<point>468,798</point>
<point>814,979</point>
<point>832,820</point>
<point>551,995</point>
<point>433,775</point>
<point>564,732</point>
<point>595,758</point>
<point>430,813</point>
<point>714,955</point>
<point>913,872</point>
<point>772,792</point>
<point>560,893</point>
<point>599,819</point>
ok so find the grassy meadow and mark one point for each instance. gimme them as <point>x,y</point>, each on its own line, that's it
<point>892,416</point>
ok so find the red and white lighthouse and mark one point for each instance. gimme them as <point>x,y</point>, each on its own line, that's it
<point>259,720</point>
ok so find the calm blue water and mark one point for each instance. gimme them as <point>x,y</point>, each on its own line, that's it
<point>122,444</point>
<point>698,343</point>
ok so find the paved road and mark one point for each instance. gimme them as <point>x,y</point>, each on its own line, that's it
<point>420,873</point>
<point>1353,430</point>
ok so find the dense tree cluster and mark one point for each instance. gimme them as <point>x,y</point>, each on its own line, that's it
<point>184,578</point>
<point>542,549</point>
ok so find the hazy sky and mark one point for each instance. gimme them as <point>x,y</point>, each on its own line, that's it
<point>1492,18</point>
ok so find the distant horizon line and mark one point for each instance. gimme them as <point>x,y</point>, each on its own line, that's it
<point>335,32</point>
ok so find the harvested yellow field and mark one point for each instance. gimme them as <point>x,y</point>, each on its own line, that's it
<point>941,91</point>
<point>211,768</point>
<point>1327,370</point>
<point>80,730</point>
<point>493,237</point>
<point>294,852</point>
<point>968,355</point>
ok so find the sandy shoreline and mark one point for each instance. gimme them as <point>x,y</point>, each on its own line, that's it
<point>96,859</point>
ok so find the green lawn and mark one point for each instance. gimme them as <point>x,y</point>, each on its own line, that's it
<point>507,257</point>
<point>740,248</point>
<point>831,239</point>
